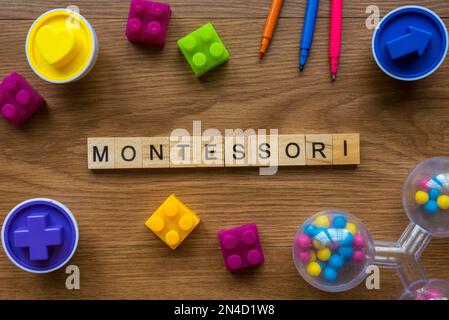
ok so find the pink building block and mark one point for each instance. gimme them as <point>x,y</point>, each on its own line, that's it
<point>241,247</point>
<point>148,22</point>
<point>18,99</point>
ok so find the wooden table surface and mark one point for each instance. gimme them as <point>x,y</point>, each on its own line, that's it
<point>135,90</point>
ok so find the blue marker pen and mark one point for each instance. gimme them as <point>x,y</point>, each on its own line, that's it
<point>307,31</point>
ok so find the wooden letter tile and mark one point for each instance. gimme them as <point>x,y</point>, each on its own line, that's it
<point>100,153</point>
<point>156,152</point>
<point>212,151</point>
<point>318,149</point>
<point>346,148</point>
<point>237,151</point>
<point>264,150</point>
<point>292,150</point>
<point>128,153</point>
<point>184,151</point>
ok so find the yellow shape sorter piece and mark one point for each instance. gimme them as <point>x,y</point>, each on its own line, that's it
<point>173,221</point>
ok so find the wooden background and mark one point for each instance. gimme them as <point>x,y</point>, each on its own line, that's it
<point>135,90</point>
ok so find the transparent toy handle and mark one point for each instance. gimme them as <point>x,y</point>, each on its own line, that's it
<point>404,254</point>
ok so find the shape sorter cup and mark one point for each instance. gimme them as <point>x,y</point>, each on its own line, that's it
<point>40,235</point>
<point>426,196</point>
<point>410,43</point>
<point>61,46</point>
<point>332,250</point>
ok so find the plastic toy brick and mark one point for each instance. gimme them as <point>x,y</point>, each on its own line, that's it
<point>241,247</point>
<point>173,221</point>
<point>203,49</point>
<point>148,22</point>
<point>18,99</point>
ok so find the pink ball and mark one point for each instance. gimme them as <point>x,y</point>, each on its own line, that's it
<point>423,184</point>
<point>434,294</point>
<point>358,256</point>
<point>304,256</point>
<point>304,241</point>
<point>359,241</point>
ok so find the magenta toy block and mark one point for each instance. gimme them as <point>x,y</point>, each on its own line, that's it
<point>241,247</point>
<point>18,99</point>
<point>148,22</point>
<point>38,237</point>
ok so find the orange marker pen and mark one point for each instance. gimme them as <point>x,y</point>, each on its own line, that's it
<point>270,25</point>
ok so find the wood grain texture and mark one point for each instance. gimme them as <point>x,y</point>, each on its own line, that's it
<point>138,91</point>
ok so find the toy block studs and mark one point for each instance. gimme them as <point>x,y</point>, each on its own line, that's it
<point>203,49</point>
<point>241,247</point>
<point>172,222</point>
<point>148,22</point>
<point>18,100</point>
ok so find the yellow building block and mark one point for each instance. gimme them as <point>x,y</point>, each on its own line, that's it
<point>173,221</point>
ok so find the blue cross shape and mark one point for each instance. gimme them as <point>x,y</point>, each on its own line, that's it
<point>38,237</point>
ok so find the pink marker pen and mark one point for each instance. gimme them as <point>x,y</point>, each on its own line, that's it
<point>335,36</point>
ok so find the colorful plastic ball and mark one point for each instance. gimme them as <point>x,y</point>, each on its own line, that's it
<point>421,197</point>
<point>347,240</point>
<point>312,230</point>
<point>351,228</point>
<point>358,256</point>
<point>304,241</point>
<point>346,253</point>
<point>433,193</point>
<point>322,221</point>
<point>322,264</point>
<point>330,274</point>
<point>336,261</point>
<point>318,245</point>
<point>443,202</point>
<point>323,254</point>
<point>431,206</point>
<point>304,256</point>
<point>359,241</point>
<point>314,269</point>
<point>339,222</point>
<point>423,184</point>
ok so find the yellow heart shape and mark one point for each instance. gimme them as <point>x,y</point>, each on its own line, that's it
<point>56,47</point>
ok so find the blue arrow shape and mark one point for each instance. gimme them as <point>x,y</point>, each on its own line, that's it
<point>415,41</point>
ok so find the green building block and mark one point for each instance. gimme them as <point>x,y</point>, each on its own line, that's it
<point>203,49</point>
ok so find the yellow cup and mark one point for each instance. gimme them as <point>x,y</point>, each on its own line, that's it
<point>61,46</point>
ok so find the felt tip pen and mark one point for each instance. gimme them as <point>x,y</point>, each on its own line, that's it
<point>308,31</point>
<point>335,36</point>
<point>270,26</point>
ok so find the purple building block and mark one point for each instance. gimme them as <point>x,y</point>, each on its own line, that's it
<point>241,247</point>
<point>38,237</point>
<point>148,22</point>
<point>18,99</point>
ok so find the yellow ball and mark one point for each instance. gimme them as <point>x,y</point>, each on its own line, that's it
<point>322,221</point>
<point>312,256</point>
<point>443,202</point>
<point>318,245</point>
<point>323,254</point>
<point>421,197</point>
<point>314,269</point>
<point>351,228</point>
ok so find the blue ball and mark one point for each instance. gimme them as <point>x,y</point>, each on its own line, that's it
<point>346,253</point>
<point>330,274</point>
<point>339,222</point>
<point>431,206</point>
<point>433,194</point>
<point>347,241</point>
<point>336,261</point>
<point>322,264</point>
<point>310,230</point>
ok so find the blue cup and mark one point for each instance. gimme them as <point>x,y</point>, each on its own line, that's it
<point>410,43</point>
<point>40,235</point>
